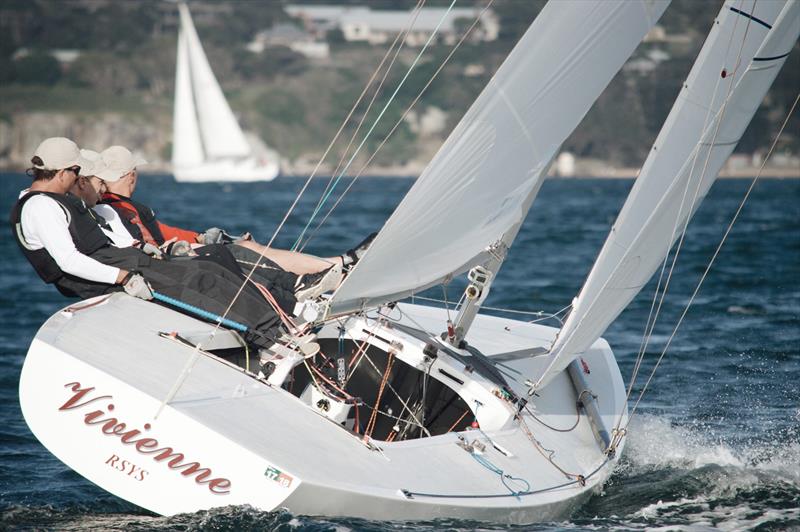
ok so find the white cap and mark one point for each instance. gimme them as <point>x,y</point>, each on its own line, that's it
<point>95,162</point>
<point>58,153</point>
<point>117,161</point>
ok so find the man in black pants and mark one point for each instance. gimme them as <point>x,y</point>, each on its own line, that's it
<point>67,247</point>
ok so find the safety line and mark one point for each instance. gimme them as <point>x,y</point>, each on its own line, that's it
<point>401,38</point>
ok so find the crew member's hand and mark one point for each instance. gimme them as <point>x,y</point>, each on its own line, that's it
<point>136,286</point>
<point>165,246</point>
<point>152,250</point>
<point>181,248</point>
<point>213,235</point>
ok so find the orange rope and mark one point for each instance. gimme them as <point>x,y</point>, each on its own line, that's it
<point>384,380</point>
<point>467,411</point>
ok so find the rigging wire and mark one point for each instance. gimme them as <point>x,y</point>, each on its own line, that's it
<point>541,315</point>
<point>401,38</point>
<point>464,36</point>
<point>328,149</point>
<point>377,120</point>
<point>711,262</point>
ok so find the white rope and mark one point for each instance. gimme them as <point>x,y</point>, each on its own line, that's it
<point>400,120</point>
<point>401,38</point>
<point>376,121</point>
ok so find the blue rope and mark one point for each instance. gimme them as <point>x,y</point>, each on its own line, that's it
<point>200,312</point>
<point>374,124</point>
<point>503,476</point>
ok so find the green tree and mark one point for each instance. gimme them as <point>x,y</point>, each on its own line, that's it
<point>37,69</point>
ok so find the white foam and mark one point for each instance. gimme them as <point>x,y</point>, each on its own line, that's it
<point>654,442</point>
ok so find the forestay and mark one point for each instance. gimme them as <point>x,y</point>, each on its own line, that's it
<point>736,66</point>
<point>482,181</point>
<point>201,104</point>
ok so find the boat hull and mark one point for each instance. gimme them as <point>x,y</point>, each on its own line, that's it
<point>226,172</point>
<point>94,379</point>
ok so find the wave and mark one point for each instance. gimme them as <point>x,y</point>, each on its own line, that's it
<point>656,442</point>
<point>685,477</point>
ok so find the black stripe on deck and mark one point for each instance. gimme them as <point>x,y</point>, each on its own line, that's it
<point>751,17</point>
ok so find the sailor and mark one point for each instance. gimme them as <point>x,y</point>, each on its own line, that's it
<point>314,275</point>
<point>64,243</point>
<point>89,188</point>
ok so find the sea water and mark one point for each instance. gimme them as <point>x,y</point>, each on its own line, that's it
<point>715,443</point>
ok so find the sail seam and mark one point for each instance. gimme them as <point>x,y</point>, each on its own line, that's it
<point>751,17</point>
<point>773,58</point>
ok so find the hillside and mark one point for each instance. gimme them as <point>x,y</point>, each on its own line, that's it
<point>119,88</point>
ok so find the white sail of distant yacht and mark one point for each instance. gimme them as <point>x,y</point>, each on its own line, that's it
<point>743,54</point>
<point>207,142</point>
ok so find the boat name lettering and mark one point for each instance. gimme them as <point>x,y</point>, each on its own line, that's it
<point>131,469</point>
<point>112,426</point>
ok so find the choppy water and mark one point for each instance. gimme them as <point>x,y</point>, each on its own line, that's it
<point>717,443</point>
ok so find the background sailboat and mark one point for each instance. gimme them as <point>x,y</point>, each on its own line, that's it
<point>207,142</point>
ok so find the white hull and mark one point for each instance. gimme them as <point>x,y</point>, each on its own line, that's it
<point>269,448</point>
<point>226,172</point>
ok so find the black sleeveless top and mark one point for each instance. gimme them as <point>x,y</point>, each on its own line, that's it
<point>83,227</point>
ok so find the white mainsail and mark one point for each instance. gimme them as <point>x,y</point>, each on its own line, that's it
<point>480,184</point>
<point>714,107</point>
<point>220,132</point>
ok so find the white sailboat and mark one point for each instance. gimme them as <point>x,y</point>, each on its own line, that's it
<point>395,420</point>
<point>207,142</point>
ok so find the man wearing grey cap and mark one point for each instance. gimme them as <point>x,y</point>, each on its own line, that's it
<point>314,275</point>
<point>66,246</point>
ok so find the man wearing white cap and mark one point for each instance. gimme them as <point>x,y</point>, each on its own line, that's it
<point>65,245</point>
<point>90,188</point>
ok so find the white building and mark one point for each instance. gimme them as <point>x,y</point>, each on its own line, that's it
<point>292,37</point>
<point>363,24</point>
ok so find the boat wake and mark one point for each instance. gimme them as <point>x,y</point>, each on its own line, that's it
<point>687,478</point>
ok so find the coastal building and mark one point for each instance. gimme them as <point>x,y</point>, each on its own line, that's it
<point>292,37</point>
<point>378,26</point>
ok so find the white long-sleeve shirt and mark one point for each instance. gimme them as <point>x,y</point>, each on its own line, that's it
<point>118,234</point>
<point>45,224</point>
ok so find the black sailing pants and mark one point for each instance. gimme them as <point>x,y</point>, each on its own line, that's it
<point>200,282</point>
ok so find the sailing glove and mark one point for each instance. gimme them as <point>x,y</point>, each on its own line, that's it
<point>215,235</point>
<point>136,286</point>
<point>152,250</point>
